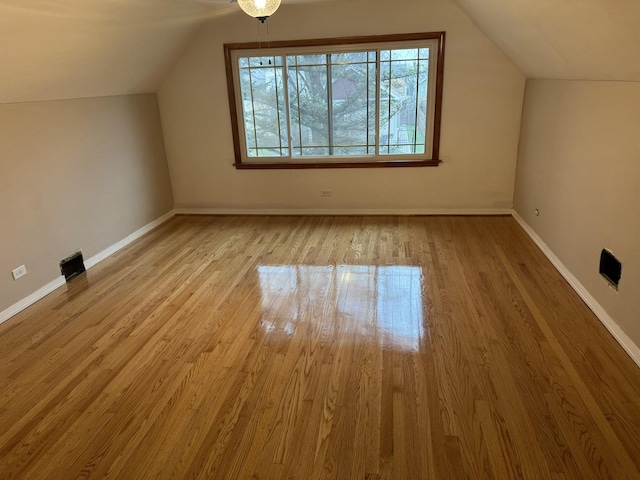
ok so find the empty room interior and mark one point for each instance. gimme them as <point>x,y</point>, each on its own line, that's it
<point>320,239</point>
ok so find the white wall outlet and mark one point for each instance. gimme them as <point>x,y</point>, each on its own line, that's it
<point>326,193</point>
<point>21,271</point>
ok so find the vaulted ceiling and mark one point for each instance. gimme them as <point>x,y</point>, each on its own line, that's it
<point>53,49</point>
<point>564,39</point>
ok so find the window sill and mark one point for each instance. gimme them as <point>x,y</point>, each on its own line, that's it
<point>307,165</point>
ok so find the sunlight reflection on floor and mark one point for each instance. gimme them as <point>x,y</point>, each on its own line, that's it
<point>370,303</point>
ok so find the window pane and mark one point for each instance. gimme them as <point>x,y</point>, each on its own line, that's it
<point>353,112</point>
<point>262,90</point>
<point>372,105</point>
<point>422,111</point>
<point>404,54</point>
<point>266,62</point>
<point>247,110</point>
<point>306,60</point>
<point>385,105</point>
<point>403,102</point>
<point>308,105</point>
<point>351,57</point>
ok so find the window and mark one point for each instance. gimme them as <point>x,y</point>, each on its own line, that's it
<point>348,102</point>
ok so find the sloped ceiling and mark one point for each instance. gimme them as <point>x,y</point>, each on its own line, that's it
<point>60,49</point>
<point>54,49</point>
<point>564,39</point>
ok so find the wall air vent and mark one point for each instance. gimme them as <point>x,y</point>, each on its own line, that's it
<point>610,268</point>
<point>72,266</point>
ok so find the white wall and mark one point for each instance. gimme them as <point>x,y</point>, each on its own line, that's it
<point>482,106</point>
<point>76,174</point>
<point>579,164</point>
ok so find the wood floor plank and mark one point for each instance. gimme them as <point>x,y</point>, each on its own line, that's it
<point>318,348</point>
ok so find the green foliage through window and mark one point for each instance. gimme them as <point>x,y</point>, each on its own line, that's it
<point>361,102</point>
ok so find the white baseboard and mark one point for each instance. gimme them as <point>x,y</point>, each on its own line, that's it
<point>31,299</point>
<point>342,211</point>
<point>622,338</point>
<point>107,252</point>
<point>89,263</point>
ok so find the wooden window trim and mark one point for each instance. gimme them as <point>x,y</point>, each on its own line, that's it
<point>435,157</point>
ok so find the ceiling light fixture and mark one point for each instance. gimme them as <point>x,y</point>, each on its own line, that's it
<point>260,9</point>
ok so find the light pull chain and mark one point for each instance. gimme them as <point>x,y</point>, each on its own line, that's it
<point>259,39</point>
<point>268,41</point>
<point>260,21</point>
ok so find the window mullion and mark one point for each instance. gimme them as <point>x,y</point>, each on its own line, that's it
<point>298,98</point>
<point>367,141</point>
<point>415,121</point>
<point>278,114</point>
<point>253,113</point>
<point>378,99</point>
<point>330,103</point>
<point>285,81</point>
<point>430,93</point>
<point>389,112</point>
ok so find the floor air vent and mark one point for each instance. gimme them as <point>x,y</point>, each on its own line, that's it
<point>72,266</point>
<point>610,268</point>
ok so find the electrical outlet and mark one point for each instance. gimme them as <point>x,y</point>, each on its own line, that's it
<point>21,271</point>
<point>326,193</point>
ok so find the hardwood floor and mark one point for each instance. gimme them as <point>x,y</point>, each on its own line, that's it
<point>318,347</point>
